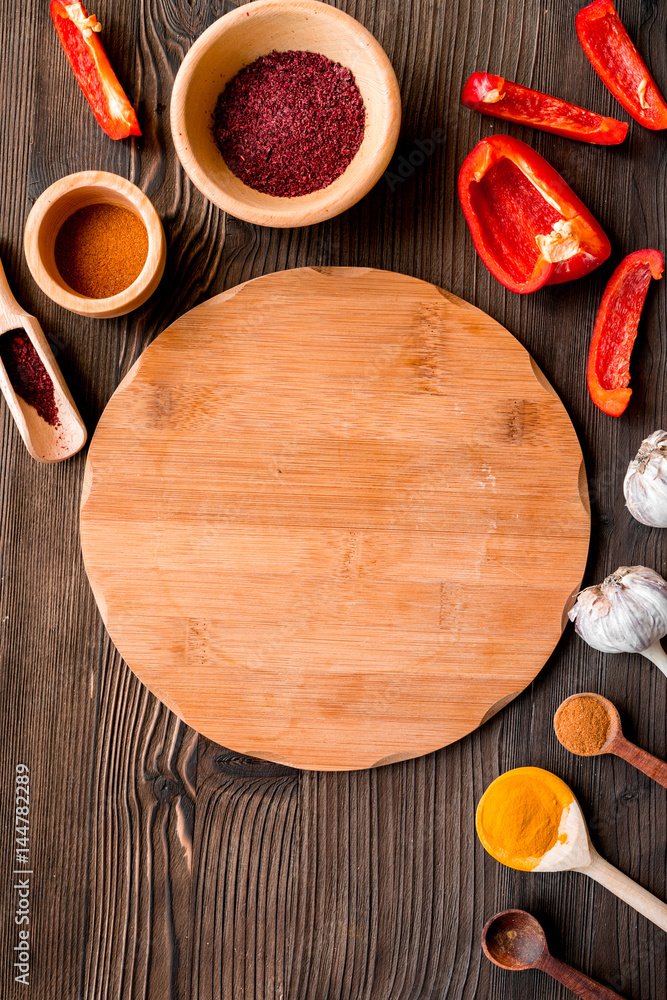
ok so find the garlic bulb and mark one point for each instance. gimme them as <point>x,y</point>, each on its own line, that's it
<point>626,613</point>
<point>645,483</point>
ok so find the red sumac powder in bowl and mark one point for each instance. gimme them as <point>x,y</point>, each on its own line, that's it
<point>290,123</point>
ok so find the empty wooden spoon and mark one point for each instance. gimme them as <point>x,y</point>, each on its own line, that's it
<point>530,820</point>
<point>514,940</point>
<point>570,726</point>
<point>47,440</point>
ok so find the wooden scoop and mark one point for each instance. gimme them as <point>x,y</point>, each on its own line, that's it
<point>616,742</point>
<point>44,442</point>
<point>514,940</point>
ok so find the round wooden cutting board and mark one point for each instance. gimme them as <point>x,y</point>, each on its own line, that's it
<point>332,517</point>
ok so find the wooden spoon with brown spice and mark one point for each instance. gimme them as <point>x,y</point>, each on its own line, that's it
<point>589,724</point>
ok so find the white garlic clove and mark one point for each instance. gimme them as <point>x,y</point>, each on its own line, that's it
<point>626,613</point>
<point>645,483</point>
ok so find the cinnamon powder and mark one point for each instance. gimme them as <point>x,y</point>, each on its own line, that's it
<point>101,249</point>
<point>582,725</point>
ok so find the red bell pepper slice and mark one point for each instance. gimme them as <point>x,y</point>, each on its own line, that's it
<point>608,370</point>
<point>527,224</point>
<point>500,98</point>
<point>618,64</point>
<point>78,34</point>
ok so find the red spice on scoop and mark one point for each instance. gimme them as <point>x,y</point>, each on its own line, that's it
<point>290,123</point>
<point>27,374</point>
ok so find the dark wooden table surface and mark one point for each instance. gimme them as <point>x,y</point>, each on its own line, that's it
<point>168,867</point>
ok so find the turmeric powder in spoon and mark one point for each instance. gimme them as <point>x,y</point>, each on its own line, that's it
<point>530,820</point>
<point>521,816</point>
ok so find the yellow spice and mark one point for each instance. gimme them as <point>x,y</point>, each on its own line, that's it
<point>519,814</point>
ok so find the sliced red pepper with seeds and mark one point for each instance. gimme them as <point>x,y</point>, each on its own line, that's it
<point>527,224</point>
<point>500,98</point>
<point>78,34</point>
<point>618,64</point>
<point>608,371</point>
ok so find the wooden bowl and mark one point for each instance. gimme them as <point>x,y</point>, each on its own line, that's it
<point>55,205</point>
<point>237,39</point>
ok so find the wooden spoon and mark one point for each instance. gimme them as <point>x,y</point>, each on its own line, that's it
<point>44,442</point>
<point>515,940</point>
<point>573,851</point>
<point>616,742</point>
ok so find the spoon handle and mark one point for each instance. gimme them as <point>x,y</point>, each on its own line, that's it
<point>641,759</point>
<point>576,981</point>
<point>634,895</point>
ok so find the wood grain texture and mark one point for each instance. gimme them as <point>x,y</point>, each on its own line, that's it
<point>389,886</point>
<point>306,505</point>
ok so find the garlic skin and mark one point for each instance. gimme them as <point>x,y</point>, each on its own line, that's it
<point>626,613</point>
<point>645,483</point>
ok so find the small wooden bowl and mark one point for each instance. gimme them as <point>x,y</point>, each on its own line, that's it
<point>55,205</point>
<point>235,41</point>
